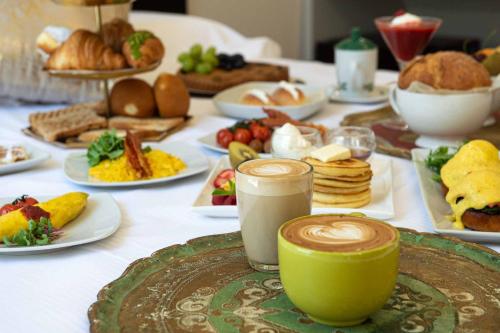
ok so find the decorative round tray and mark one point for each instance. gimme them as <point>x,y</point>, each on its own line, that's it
<point>100,75</point>
<point>206,285</point>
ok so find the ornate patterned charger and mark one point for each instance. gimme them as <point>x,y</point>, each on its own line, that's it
<point>206,285</point>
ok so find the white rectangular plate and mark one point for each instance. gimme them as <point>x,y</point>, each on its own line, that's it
<point>76,167</point>
<point>438,208</point>
<point>228,101</point>
<point>381,207</point>
<point>209,141</point>
<point>36,155</point>
<point>100,219</point>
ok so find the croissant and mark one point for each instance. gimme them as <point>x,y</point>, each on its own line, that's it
<point>85,50</point>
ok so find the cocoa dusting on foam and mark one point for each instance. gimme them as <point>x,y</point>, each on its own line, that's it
<point>338,233</point>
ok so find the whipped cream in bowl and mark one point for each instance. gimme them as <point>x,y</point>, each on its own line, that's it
<point>405,19</point>
<point>294,142</point>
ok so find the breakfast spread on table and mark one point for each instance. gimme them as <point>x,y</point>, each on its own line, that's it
<point>27,222</point>
<point>278,174</point>
<point>116,159</point>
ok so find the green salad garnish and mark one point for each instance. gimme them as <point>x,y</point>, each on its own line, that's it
<point>437,158</point>
<point>108,146</point>
<point>136,40</point>
<point>38,233</point>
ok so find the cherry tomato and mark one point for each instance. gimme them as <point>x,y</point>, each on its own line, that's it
<point>224,137</point>
<point>242,135</point>
<point>261,132</point>
<point>7,209</point>
<point>25,201</point>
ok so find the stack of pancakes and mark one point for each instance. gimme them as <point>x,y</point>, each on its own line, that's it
<point>343,183</point>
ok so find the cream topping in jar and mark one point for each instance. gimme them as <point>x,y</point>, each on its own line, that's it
<point>288,142</point>
<point>406,18</point>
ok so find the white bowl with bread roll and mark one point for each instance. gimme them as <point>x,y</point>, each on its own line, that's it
<point>444,97</point>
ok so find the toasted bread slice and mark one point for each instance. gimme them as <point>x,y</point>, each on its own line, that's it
<point>144,124</point>
<point>65,123</point>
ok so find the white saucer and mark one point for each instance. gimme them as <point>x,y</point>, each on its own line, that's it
<point>378,95</point>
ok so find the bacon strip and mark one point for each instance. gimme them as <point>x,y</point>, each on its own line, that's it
<point>135,157</point>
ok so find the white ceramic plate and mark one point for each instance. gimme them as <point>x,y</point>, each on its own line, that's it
<point>37,157</point>
<point>438,208</point>
<point>100,219</point>
<point>381,207</point>
<point>76,167</point>
<point>378,95</point>
<point>228,101</point>
<point>210,142</point>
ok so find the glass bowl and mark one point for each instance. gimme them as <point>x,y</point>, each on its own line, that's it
<point>286,146</point>
<point>360,140</point>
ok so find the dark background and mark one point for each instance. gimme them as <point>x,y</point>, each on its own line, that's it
<point>324,49</point>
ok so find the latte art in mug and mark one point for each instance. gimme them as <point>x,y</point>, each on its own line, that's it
<point>274,168</point>
<point>341,234</point>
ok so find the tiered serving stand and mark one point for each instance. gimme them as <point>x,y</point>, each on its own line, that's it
<point>102,75</point>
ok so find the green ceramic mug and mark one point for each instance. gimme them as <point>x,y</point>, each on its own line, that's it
<point>338,269</point>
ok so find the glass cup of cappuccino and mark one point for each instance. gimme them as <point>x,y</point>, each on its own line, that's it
<point>338,269</point>
<point>269,193</point>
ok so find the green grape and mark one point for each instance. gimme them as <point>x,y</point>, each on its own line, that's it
<point>211,50</point>
<point>183,56</point>
<point>196,51</point>
<point>204,68</point>
<point>188,65</point>
<point>210,58</point>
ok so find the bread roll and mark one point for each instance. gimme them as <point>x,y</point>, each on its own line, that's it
<point>446,70</point>
<point>133,98</point>
<point>172,96</point>
<point>115,33</point>
<point>142,49</point>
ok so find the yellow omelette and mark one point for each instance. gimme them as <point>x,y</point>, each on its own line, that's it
<point>62,209</point>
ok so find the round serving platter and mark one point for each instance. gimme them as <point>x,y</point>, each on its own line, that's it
<point>206,285</point>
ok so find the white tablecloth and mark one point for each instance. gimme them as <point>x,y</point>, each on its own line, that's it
<point>52,292</point>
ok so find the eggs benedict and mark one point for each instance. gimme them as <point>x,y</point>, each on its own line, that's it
<point>472,177</point>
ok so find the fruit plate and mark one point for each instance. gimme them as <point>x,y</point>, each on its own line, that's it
<point>36,157</point>
<point>100,219</point>
<point>209,141</point>
<point>228,101</point>
<point>381,207</point>
<point>437,207</point>
<point>76,167</point>
<point>206,285</point>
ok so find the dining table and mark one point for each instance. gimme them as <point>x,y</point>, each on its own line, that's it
<point>52,292</point>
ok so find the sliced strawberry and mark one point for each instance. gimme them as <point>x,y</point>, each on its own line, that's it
<point>218,200</point>
<point>223,177</point>
<point>230,200</point>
